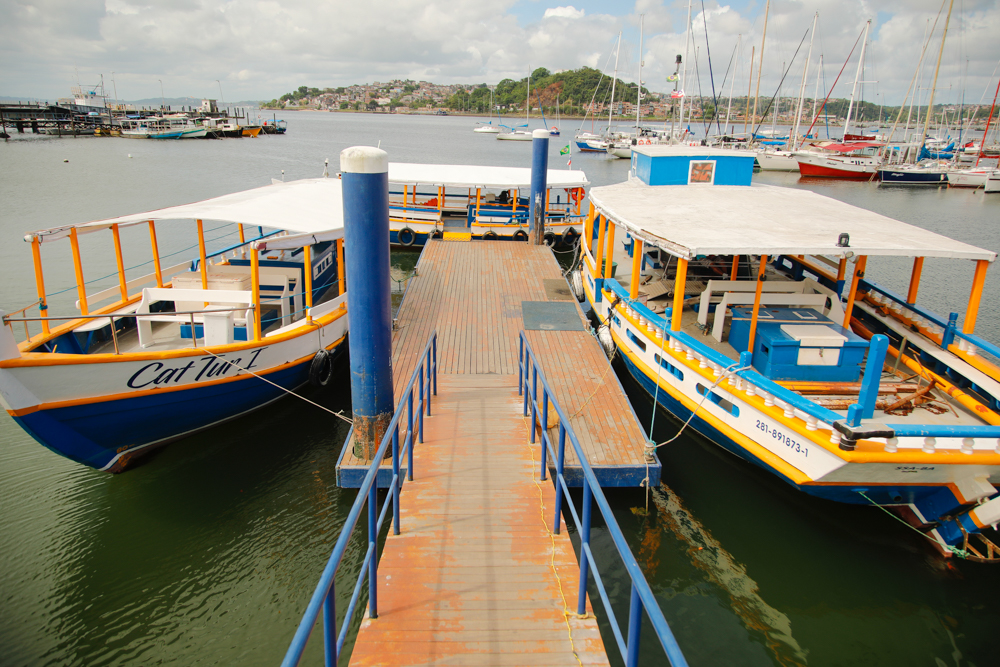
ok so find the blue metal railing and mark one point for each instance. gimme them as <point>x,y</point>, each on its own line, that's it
<point>324,597</point>
<point>642,597</point>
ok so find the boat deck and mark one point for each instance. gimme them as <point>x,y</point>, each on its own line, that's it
<point>472,294</point>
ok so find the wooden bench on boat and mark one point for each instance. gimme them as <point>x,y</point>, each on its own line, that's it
<point>218,326</point>
<point>100,322</point>
<point>828,303</point>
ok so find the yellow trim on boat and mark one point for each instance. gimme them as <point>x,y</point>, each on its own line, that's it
<point>31,359</point>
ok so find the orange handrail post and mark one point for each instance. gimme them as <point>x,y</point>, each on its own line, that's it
<point>121,264</point>
<point>588,230</point>
<point>201,252</point>
<point>633,291</point>
<point>735,271</point>
<point>918,267</point>
<point>978,280</point>
<point>36,255</point>
<point>307,270</point>
<point>243,250</point>
<point>602,223</point>
<point>859,273</point>
<point>156,255</point>
<point>81,288</point>
<point>340,267</point>
<point>680,279</point>
<point>255,280</point>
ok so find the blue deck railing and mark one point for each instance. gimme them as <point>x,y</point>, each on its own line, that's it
<point>324,598</point>
<point>642,597</point>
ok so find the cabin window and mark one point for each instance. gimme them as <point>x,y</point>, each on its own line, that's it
<point>728,406</point>
<point>673,370</point>
<point>635,339</point>
<point>618,322</point>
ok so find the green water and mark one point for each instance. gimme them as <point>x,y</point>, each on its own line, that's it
<point>208,552</point>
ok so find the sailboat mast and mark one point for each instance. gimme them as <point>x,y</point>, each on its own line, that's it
<point>986,132</point>
<point>746,114</point>
<point>614,81</point>
<point>930,104</point>
<point>739,41</point>
<point>684,73</point>
<point>760,63</point>
<point>802,88</point>
<point>857,76</point>
<point>527,99</point>
<point>638,92</point>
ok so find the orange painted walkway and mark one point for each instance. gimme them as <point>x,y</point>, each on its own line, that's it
<point>476,577</point>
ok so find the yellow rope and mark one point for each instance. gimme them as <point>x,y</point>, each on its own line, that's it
<point>567,614</point>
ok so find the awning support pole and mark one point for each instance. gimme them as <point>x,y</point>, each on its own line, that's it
<point>156,254</point>
<point>680,279</point>
<point>36,255</point>
<point>978,280</point>
<point>633,292</point>
<point>121,264</point>
<point>81,288</point>
<point>599,255</point>
<point>307,270</point>
<point>859,273</point>
<point>761,269</point>
<point>918,267</point>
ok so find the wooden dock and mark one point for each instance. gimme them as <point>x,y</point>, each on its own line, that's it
<point>476,577</point>
<point>472,294</point>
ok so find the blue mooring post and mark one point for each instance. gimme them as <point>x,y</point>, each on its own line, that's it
<point>365,177</point>
<point>539,175</point>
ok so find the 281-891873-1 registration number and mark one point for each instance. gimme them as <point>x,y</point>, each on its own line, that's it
<point>791,443</point>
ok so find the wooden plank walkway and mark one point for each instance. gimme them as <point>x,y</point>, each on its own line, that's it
<point>476,577</point>
<point>471,292</point>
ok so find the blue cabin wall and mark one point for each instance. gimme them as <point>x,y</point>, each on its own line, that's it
<point>674,169</point>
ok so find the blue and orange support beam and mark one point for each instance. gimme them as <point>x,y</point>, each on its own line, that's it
<point>972,312</point>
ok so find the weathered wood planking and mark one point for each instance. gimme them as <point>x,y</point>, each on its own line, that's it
<point>476,577</point>
<point>472,293</point>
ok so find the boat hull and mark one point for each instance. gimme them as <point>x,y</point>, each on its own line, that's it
<point>835,171</point>
<point>913,177</point>
<point>105,410</point>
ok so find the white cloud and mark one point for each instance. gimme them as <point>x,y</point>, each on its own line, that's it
<point>262,48</point>
<point>569,12</point>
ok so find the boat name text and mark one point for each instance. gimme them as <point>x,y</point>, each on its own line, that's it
<point>157,373</point>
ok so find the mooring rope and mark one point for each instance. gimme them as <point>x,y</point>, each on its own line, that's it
<point>961,553</point>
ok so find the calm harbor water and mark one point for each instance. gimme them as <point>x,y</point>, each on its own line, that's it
<point>208,552</point>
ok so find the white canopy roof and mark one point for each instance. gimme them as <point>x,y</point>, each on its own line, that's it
<point>477,176</point>
<point>692,220</point>
<point>309,206</point>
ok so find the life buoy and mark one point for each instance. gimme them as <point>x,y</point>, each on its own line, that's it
<point>321,369</point>
<point>406,236</point>
<point>520,235</point>
<point>577,194</point>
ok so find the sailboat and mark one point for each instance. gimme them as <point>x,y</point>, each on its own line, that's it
<point>925,172</point>
<point>515,134</point>
<point>488,128</point>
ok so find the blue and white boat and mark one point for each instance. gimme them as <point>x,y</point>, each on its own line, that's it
<point>479,202</point>
<point>775,346</point>
<point>155,357</point>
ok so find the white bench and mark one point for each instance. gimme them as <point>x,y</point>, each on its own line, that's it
<point>283,281</point>
<point>772,299</point>
<point>718,287</point>
<point>104,295</point>
<point>218,327</point>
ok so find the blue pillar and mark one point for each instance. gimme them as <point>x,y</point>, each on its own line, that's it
<point>539,175</point>
<point>865,407</point>
<point>365,183</point>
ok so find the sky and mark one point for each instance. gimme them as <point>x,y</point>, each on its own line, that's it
<point>260,49</point>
